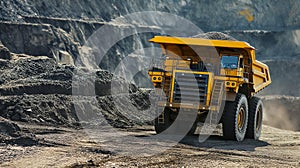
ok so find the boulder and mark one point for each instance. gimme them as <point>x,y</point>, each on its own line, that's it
<point>4,52</point>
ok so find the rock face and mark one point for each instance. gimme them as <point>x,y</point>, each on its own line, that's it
<point>36,39</point>
<point>275,23</point>
<point>37,89</point>
<point>285,77</point>
<point>271,45</point>
<point>8,128</point>
<point>217,16</point>
<point>59,29</point>
<point>10,133</point>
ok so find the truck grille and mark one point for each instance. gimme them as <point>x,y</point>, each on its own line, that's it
<point>190,87</point>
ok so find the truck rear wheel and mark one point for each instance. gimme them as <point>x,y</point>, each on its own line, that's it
<point>235,118</point>
<point>255,118</point>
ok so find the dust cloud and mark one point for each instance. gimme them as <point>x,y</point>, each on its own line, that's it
<point>282,112</point>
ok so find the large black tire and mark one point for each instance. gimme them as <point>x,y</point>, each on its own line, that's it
<point>168,121</point>
<point>193,129</point>
<point>169,118</point>
<point>255,118</point>
<point>235,118</point>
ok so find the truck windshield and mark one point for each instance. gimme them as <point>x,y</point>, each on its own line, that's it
<point>229,62</point>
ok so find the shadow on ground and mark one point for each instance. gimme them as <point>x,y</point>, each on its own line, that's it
<point>217,142</point>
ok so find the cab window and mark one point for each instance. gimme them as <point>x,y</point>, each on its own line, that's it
<point>229,62</point>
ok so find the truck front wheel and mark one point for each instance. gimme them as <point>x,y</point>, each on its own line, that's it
<point>168,119</point>
<point>160,125</point>
<point>235,118</point>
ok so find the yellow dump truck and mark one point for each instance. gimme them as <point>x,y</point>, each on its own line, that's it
<point>202,75</point>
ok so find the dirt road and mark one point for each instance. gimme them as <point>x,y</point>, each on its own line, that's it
<point>63,147</point>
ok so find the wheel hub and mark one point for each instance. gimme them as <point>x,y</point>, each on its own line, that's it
<point>241,118</point>
<point>258,120</point>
